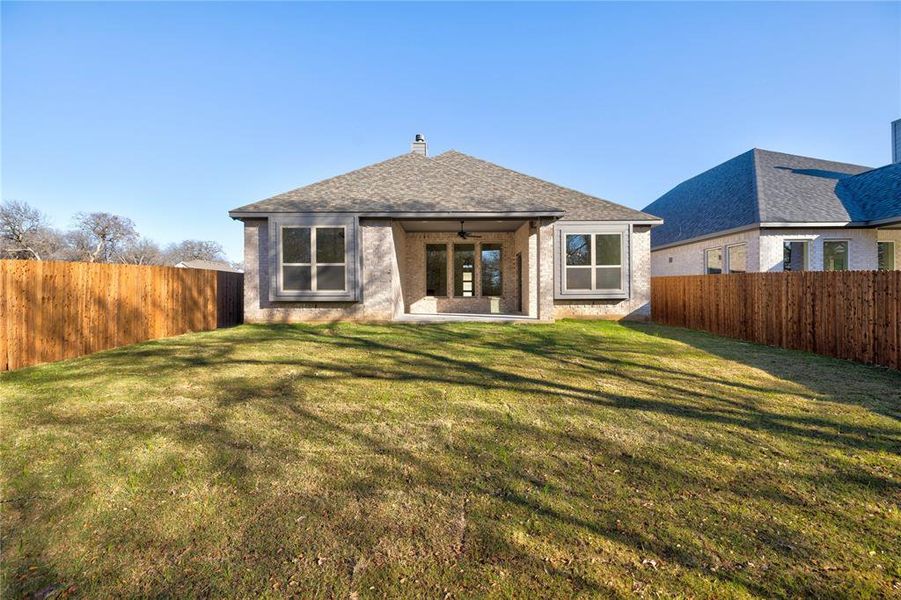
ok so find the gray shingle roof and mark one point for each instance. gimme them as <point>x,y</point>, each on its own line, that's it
<point>450,182</point>
<point>576,205</point>
<point>876,192</point>
<point>761,186</point>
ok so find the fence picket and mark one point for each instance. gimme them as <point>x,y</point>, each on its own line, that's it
<point>55,310</point>
<point>852,315</point>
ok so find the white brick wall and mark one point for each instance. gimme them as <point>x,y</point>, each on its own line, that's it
<point>765,249</point>
<point>861,247</point>
<point>688,259</point>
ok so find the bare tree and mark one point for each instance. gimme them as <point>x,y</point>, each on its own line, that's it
<point>195,250</point>
<point>143,251</point>
<point>100,237</point>
<point>24,232</point>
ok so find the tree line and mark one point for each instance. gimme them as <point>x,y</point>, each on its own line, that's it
<point>25,233</point>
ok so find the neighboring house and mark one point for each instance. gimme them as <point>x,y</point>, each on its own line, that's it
<point>768,211</point>
<point>416,235</point>
<point>212,265</point>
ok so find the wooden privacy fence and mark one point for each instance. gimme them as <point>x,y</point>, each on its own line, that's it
<point>854,315</point>
<point>55,310</point>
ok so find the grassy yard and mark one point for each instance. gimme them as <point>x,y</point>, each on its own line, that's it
<point>451,461</point>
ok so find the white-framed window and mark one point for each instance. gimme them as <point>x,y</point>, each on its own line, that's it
<point>592,261</point>
<point>312,258</point>
<point>795,255</point>
<point>713,261</point>
<point>737,258</point>
<point>885,252</point>
<point>836,255</point>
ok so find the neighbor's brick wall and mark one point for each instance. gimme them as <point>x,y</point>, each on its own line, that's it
<point>380,281</point>
<point>862,247</point>
<point>688,259</point>
<point>414,278</point>
<point>638,305</point>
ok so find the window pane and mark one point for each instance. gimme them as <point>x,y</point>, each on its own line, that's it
<point>296,278</point>
<point>296,245</point>
<point>436,270</point>
<point>608,278</point>
<point>738,258</point>
<point>329,245</point>
<point>464,270</point>
<point>886,252</point>
<point>794,256</point>
<point>578,249</point>
<point>491,270</point>
<point>578,278</point>
<point>713,261</point>
<point>607,249</point>
<point>329,277</point>
<point>835,256</point>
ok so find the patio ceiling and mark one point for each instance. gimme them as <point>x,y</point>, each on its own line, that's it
<point>468,225</point>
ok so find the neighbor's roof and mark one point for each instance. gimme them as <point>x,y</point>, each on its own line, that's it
<point>764,187</point>
<point>452,182</point>
<point>207,264</point>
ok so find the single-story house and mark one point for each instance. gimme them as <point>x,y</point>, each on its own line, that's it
<point>210,265</point>
<point>415,236</point>
<point>769,211</point>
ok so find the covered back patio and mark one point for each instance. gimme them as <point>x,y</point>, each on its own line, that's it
<point>470,268</point>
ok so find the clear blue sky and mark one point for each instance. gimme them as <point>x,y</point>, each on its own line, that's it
<point>173,113</point>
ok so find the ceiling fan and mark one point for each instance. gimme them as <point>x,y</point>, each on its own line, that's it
<point>465,235</point>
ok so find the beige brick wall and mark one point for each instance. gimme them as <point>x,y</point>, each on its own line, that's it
<point>392,277</point>
<point>381,296</point>
<point>525,243</point>
<point>688,259</point>
<point>414,279</point>
<point>637,306</point>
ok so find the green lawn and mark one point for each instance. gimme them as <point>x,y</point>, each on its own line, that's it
<point>461,460</point>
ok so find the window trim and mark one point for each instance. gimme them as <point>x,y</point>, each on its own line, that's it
<point>893,254</point>
<point>847,258</point>
<point>727,264</point>
<point>625,261</point>
<point>350,264</point>
<point>722,260</point>
<point>807,250</point>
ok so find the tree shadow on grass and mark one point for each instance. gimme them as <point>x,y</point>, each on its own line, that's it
<point>334,385</point>
<point>875,388</point>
